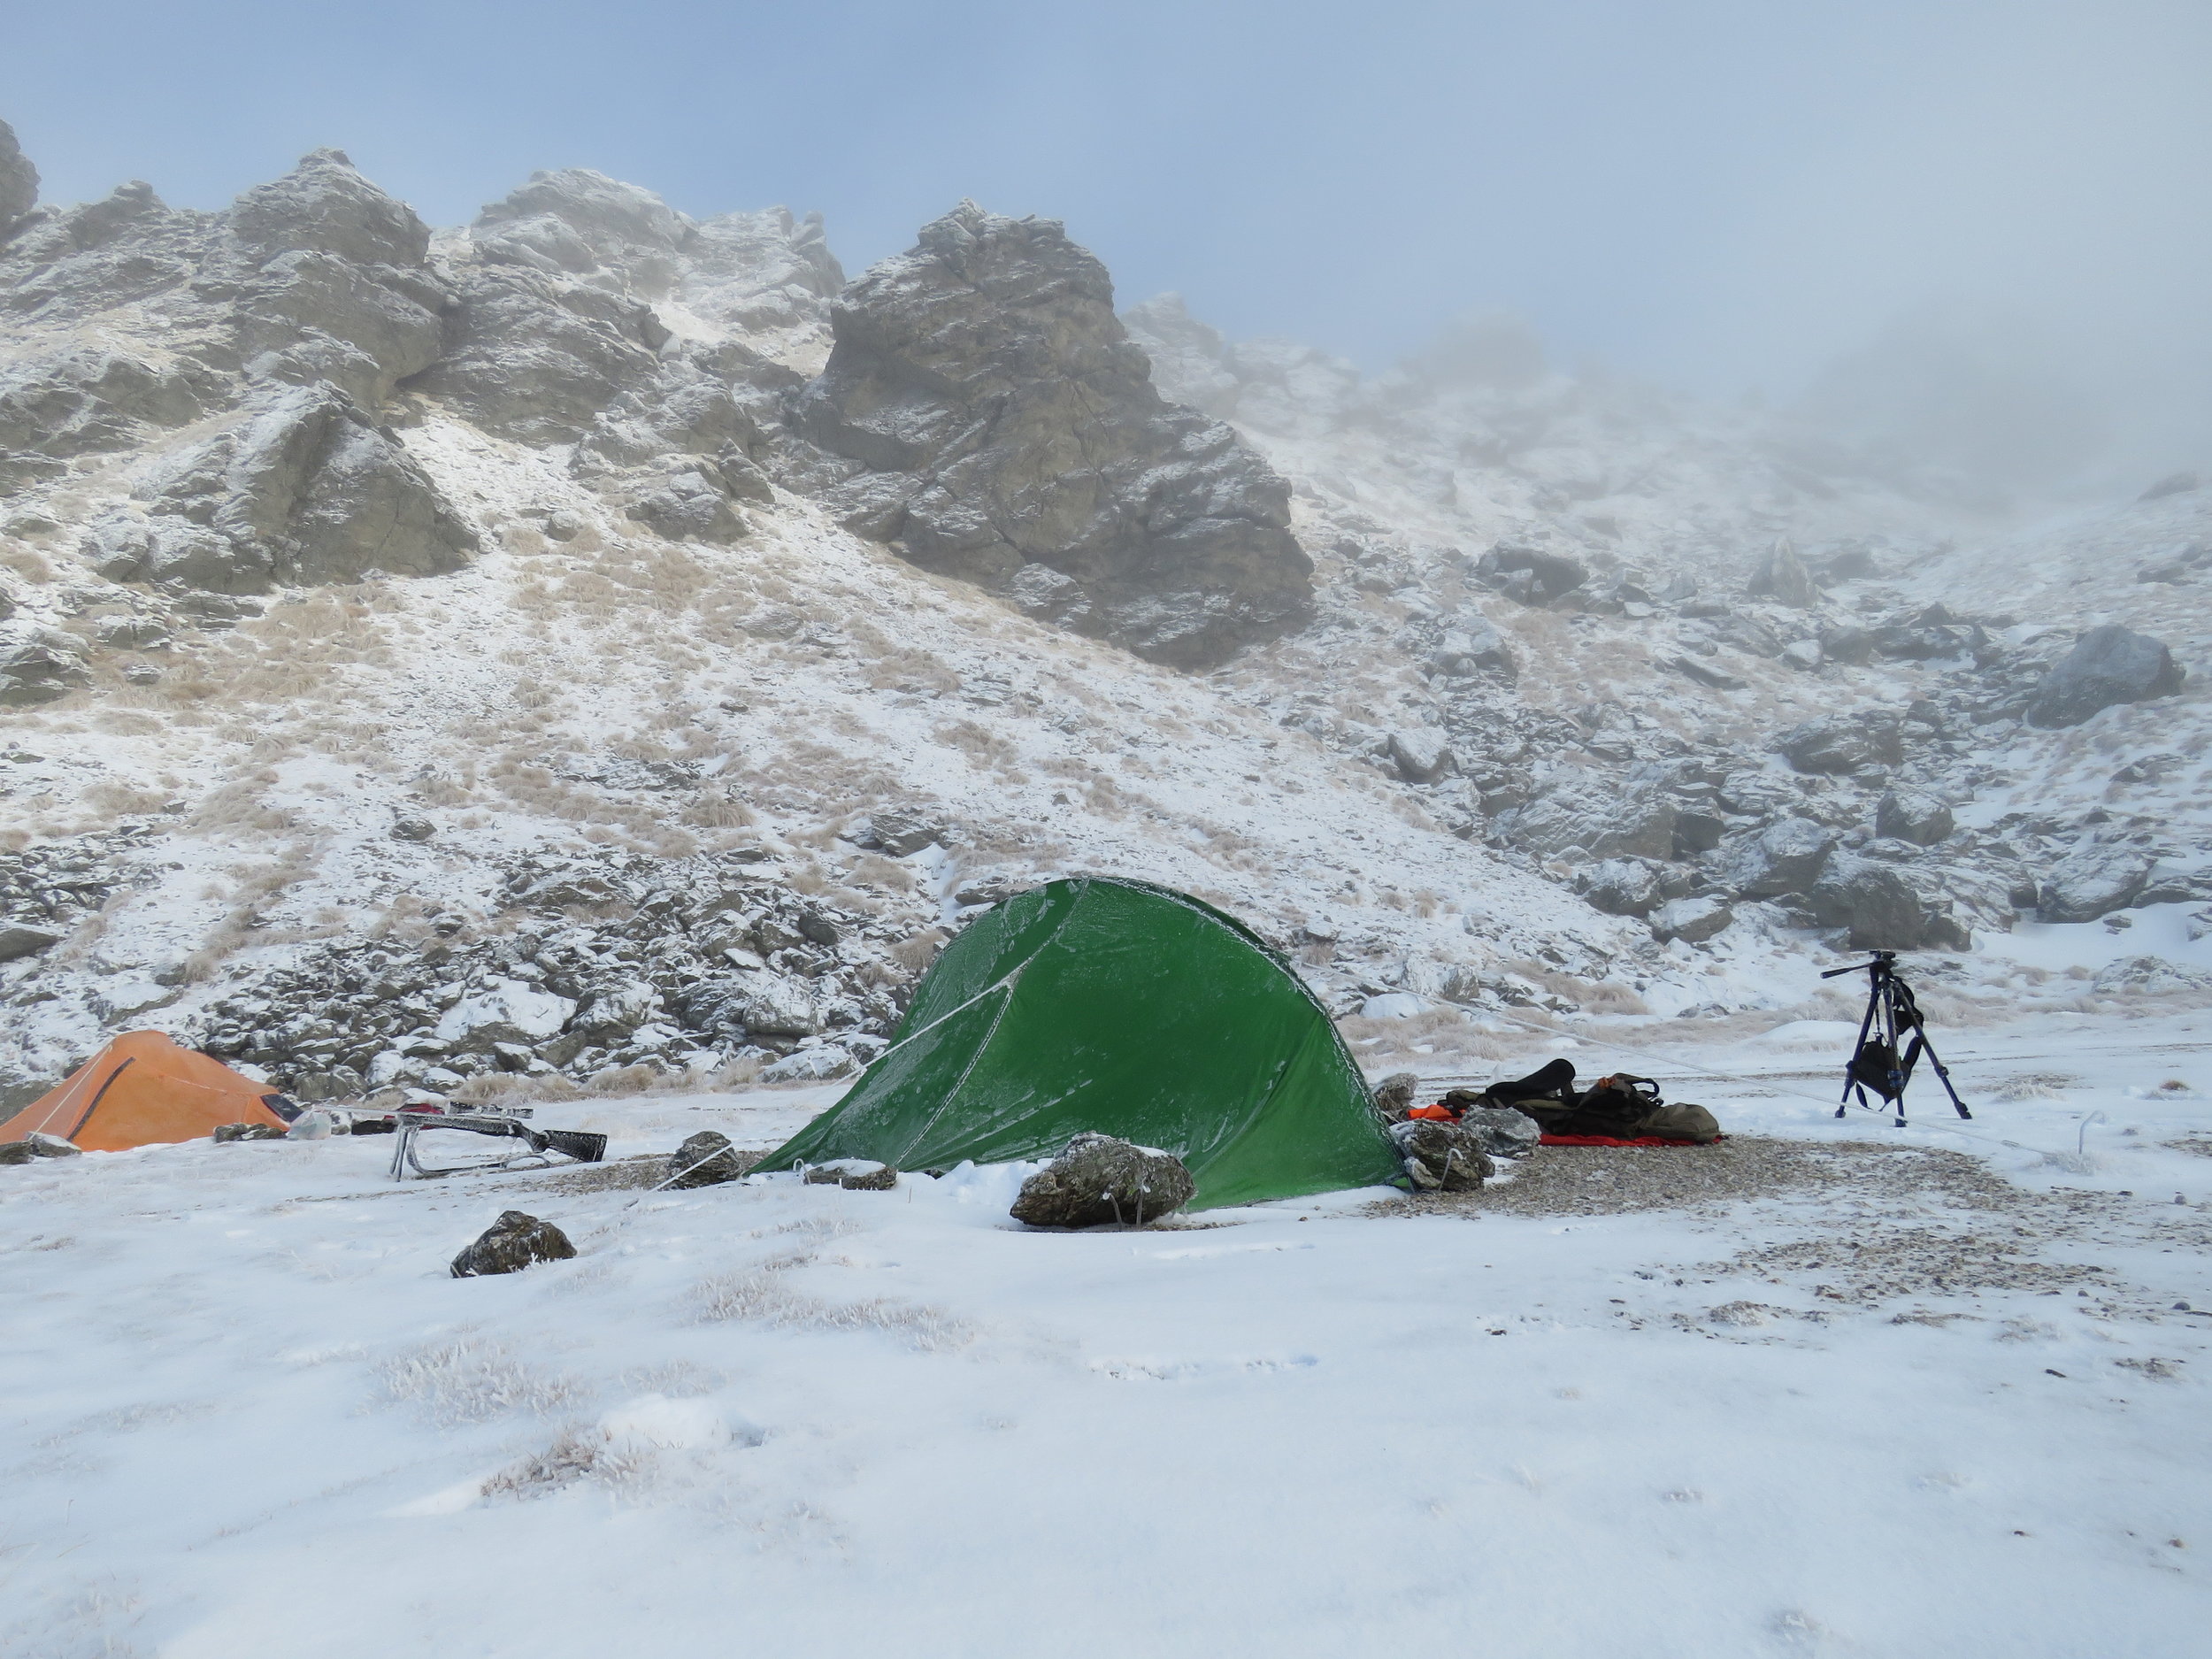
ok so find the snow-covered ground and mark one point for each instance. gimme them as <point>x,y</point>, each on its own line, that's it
<point>1895,1402</point>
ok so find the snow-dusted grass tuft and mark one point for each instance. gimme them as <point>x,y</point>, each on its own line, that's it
<point>762,1296</point>
<point>473,1382</point>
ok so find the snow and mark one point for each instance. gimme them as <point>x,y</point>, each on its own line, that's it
<point>249,1413</point>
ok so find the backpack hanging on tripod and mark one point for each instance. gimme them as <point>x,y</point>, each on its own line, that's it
<point>1892,1036</point>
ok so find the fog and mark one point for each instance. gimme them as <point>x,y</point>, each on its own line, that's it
<point>1972,234</point>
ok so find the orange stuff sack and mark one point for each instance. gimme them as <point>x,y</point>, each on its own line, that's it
<point>142,1090</point>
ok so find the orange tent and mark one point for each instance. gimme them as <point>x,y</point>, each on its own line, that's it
<point>142,1088</point>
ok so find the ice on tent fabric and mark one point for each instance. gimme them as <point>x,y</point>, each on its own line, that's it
<point>1125,1009</point>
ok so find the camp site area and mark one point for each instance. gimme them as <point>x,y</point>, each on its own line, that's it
<point>1823,1388</point>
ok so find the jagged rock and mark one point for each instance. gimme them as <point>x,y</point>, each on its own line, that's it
<point>1422,754</point>
<point>1881,906</point>
<point>1099,1179</point>
<point>410,828</point>
<point>1502,1131</point>
<point>899,830</point>
<point>1911,815</point>
<point>1780,860</point>
<point>1782,576</point>
<point>2107,665</point>
<point>1692,920</point>
<point>706,1159</point>
<point>18,179</point>
<point>2092,881</point>
<point>1714,679</point>
<point>1697,832</point>
<point>1004,419</point>
<point>38,664</point>
<point>309,489</point>
<point>1637,827</point>
<point>324,206</point>
<point>1802,654</point>
<point>772,1005</point>
<point>536,358</point>
<point>88,399</point>
<point>1189,357</point>
<point>1847,644</point>
<point>1619,886</point>
<point>1844,742</point>
<point>327,280</point>
<point>690,506</point>
<point>1471,645</point>
<point>1441,1158</point>
<point>513,1242</point>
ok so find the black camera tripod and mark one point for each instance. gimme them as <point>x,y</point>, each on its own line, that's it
<point>1878,1062</point>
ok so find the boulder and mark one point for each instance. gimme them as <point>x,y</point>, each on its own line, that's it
<point>706,1159</point>
<point>512,1243</point>
<point>2107,665</point>
<point>1530,574</point>
<point>689,506</point>
<point>1441,1158</point>
<point>1881,906</point>
<point>900,831</point>
<point>1839,743</point>
<point>999,417</point>
<point>1422,754</point>
<point>1473,645</point>
<point>1619,886</point>
<point>1782,576</point>
<point>26,939</point>
<point>1804,654</point>
<point>1912,815</point>
<point>773,1005</point>
<point>506,1011</point>
<point>38,664</point>
<point>1692,920</point>
<point>1714,679</point>
<point>2092,881</point>
<point>1638,826</point>
<point>1697,832</point>
<point>1782,859</point>
<point>1098,1179</point>
<point>1502,1131</point>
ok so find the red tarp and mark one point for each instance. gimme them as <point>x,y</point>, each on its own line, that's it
<point>1616,1140</point>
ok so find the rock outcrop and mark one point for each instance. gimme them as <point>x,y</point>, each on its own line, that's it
<point>1099,1180</point>
<point>1000,419</point>
<point>18,179</point>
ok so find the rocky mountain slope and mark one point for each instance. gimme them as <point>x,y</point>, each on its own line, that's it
<point>601,643</point>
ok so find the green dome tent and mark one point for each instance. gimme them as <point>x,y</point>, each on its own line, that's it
<point>1124,1008</point>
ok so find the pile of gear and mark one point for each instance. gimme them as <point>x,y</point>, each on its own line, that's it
<point>1448,1145</point>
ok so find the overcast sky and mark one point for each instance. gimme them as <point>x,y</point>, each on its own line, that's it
<point>1717,196</point>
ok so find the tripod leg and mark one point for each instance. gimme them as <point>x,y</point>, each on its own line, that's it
<point>1866,1021</point>
<point>1943,1071</point>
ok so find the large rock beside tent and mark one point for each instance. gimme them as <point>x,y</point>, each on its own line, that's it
<point>1002,420</point>
<point>706,1159</point>
<point>1100,1179</point>
<point>514,1242</point>
<point>1441,1158</point>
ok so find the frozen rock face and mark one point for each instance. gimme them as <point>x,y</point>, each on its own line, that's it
<point>1001,419</point>
<point>307,490</point>
<point>18,179</point>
